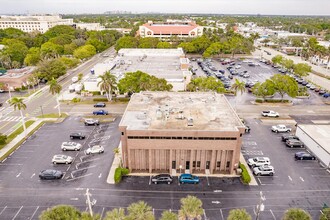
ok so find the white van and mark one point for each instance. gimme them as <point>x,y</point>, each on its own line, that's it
<point>74,79</point>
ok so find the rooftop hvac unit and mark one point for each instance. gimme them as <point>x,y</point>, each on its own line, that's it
<point>190,122</point>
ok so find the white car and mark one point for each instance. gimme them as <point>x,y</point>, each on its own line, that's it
<point>74,79</point>
<point>280,128</point>
<point>264,170</point>
<point>96,149</point>
<point>70,146</point>
<point>62,159</point>
<point>258,161</point>
<point>270,113</point>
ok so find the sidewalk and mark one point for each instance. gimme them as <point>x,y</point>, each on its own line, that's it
<point>10,147</point>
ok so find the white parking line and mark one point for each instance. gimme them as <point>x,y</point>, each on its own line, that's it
<point>17,213</point>
<point>271,212</point>
<point>33,175</point>
<point>222,218</point>
<point>302,179</point>
<point>102,213</point>
<point>3,210</point>
<point>18,175</point>
<point>35,211</point>
<point>79,177</point>
<point>290,178</point>
<point>150,180</point>
<point>100,175</point>
<point>204,214</point>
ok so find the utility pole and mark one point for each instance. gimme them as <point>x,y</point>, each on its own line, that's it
<point>261,206</point>
<point>89,202</point>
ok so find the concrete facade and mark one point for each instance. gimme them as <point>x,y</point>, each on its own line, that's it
<point>180,132</point>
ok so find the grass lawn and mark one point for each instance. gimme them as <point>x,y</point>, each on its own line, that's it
<point>53,115</point>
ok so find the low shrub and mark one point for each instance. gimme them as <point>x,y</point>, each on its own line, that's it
<point>122,99</point>
<point>246,178</point>
<point>271,101</point>
<point>3,138</point>
<point>96,93</point>
<point>100,99</point>
<point>259,101</point>
<point>119,172</point>
<point>75,100</point>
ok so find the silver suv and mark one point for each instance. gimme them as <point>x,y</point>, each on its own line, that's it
<point>258,161</point>
<point>264,170</point>
<point>91,121</point>
<point>70,146</point>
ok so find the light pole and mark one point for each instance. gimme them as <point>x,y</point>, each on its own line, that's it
<point>8,86</point>
<point>42,112</point>
<point>261,206</point>
<point>89,202</point>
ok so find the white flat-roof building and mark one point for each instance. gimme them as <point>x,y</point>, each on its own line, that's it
<point>39,23</point>
<point>90,26</point>
<point>316,138</point>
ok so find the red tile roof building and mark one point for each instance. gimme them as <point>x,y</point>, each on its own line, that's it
<point>170,28</point>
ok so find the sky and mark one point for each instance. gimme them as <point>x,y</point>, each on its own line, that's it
<point>263,7</point>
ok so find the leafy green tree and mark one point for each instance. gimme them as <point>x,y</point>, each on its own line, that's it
<point>302,69</point>
<point>296,214</point>
<point>140,81</point>
<point>164,45</point>
<point>115,214</point>
<point>108,84</point>
<point>99,45</point>
<point>191,208</point>
<point>3,138</point>
<point>84,52</point>
<point>19,104</point>
<point>148,42</point>
<point>140,211</point>
<point>238,86</point>
<point>284,84</point>
<point>33,56</point>
<point>201,43</point>
<point>62,39</point>
<point>69,48</point>
<point>239,214</point>
<point>288,64</point>
<point>51,50</point>
<point>277,59</point>
<point>167,215</point>
<point>213,49</point>
<point>49,69</point>
<point>33,80</point>
<point>16,50</point>
<point>55,88</point>
<point>264,89</point>
<point>69,62</point>
<point>61,212</point>
<point>126,42</point>
<point>325,215</point>
<point>188,47</point>
<point>60,30</point>
<point>205,84</point>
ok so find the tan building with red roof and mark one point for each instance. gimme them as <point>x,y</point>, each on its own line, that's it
<point>170,28</point>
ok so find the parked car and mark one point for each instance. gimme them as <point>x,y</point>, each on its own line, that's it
<point>317,89</point>
<point>222,71</point>
<point>61,159</point>
<point>188,178</point>
<point>258,161</point>
<point>326,95</point>
<point>280,128</point>
<point>312,87</point>
<point>289,137</point>
<point>1,104</point>
<point>264,170</point>
<point>162,178</point>
<point>50,174</point>
<point>91,121</point>
<point>270,113</point>
<point>100,112</point>
<point>322,91</point>
<point>70,146</point>
<point>96,149</point>
<point>246,75</point>
<point>100,104</point>
<point>247,129</point>
<point>77,135</point>
<point>304,156</point>
<point>294,143</point>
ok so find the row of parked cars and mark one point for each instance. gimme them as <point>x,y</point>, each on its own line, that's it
<point>261,166</point>
<point>168,179</point>
<point>211,70</point>
<point>292,141</point>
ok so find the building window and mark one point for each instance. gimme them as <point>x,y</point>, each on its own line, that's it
<point>218,163</point>
<point>228,164</point>
<point>122,133</point>
<point>198,164</point>
<point>194,164</point>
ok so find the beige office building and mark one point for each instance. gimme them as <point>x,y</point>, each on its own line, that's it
<point>180,132</point>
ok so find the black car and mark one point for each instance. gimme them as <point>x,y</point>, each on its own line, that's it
<point>162,178</point>
<point>77,136</point>
<point>294,143</point>
<point>288,137</point>
<point>100,104</point>
<point>50,174</point>
<point>221,71</point>
<point>304,156</point>
<point>247,129</point>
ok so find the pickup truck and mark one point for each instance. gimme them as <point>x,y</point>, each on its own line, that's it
<point>270,113</point>
<point>280,128</point>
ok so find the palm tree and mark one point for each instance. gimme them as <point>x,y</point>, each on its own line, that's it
<point>140,211</point>
<point>296,214</point>
<point>20,105</point>
<point>167,215</point>
<point>108,83</point>
<point>55,88</point>
<point>238,86</point>
<point>191,208</point>
<point>235,214</point>
<point>115,214</point>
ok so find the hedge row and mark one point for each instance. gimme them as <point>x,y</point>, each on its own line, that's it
<point>272,101</point>
<point>246,178</point>
<point>119,172</point>
<point>100,99</point>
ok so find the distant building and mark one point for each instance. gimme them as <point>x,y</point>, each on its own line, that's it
<point>89,26</point>
<point>41,23</point>
<point>180,132</point>
<point>16,78</point>
<point>170,28</point>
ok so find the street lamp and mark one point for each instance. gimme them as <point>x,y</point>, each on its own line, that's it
<point>261,206</point>
<point>8,86</point>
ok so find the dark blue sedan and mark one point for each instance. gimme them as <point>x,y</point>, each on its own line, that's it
<point>100,112</point>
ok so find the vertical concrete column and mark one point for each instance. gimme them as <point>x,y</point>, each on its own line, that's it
<point>150,160</point>
<point>232,164</point>
<point>213,159</point>
<point>191,161</point>
<point>170,161</point>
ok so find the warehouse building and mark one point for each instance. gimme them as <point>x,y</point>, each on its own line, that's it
<point>178,132</point>
<point>316,139</point>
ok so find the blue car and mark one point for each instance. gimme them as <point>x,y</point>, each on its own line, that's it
<point>188,178</point>
<point>326,95</point>
<point>100,112</point>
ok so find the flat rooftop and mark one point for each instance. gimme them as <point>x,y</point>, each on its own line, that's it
<point>319,133</point>
<point>180,111</point>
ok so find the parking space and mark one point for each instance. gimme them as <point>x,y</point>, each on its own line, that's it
<point>24,164</point>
